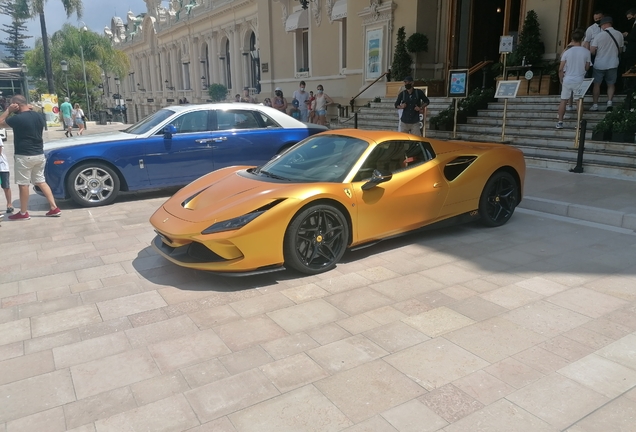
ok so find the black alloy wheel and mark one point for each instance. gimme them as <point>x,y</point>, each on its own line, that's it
<point>498,199</point>
<point>316,239</point>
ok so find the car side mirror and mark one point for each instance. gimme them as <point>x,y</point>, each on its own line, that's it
<point>377,177</point>
<point>169,130</point>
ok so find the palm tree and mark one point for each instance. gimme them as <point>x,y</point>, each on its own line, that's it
<point>36,7</point>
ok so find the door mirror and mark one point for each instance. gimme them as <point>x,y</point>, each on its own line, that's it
<point>377,177</point>
<point>169,130</point>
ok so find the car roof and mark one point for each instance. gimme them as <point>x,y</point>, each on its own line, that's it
<point>373,135</point>
<point>283,119</point>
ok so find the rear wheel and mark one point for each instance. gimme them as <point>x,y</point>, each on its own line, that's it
<point>316,239</point>
<point>93,184</point>
<point>498,199</point>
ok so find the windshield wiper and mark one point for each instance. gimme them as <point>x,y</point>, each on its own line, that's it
<point>274,176</point>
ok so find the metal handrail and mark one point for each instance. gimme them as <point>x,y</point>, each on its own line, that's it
<point>352,101</point>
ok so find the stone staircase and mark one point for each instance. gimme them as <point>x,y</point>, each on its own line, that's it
<point>530,126</point>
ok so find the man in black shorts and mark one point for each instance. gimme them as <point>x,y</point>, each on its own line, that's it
<point>28,152</point>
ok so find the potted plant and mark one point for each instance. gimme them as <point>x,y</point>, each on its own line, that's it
<point>416,43</point>
<point>217,92</point>
<point>530,48</point>
<point>401,65</point>
<point>623,125</point>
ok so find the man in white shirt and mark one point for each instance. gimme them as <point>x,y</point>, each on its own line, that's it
<point>607,46</point>
<point>593,30</point>
<point>575,61</point>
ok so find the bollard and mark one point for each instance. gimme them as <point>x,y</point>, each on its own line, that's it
<point>355,120</point>
<point>579,158</point>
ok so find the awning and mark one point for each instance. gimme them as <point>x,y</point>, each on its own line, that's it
<point>297,20</point>
<point>339,10</point>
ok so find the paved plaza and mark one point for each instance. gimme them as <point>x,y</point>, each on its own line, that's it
<point>529,327</point>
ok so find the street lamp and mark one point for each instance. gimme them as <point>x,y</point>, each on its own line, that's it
<point>88,104</point>
<point>118,98</point>
<point>64,66</point>
<point>25,70</point>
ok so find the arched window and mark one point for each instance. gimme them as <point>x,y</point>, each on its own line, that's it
<point>255,64</point>
<point>228,68</point>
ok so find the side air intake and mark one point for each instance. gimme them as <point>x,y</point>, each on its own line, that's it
<point>457,166</point>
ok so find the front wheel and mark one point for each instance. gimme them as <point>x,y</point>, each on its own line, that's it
<point>316,239</point>
<point>498,199</point>
<point>93,184</point>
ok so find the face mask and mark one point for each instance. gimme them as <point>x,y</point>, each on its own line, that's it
<point>408,86</point>
<point>597,22</point>
<point>319,91</point>
<point>279,94</point>
<point>302,89</point>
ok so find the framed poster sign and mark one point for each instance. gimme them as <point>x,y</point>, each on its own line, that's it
<point>507,89</point>
<point>458,83</point>
<point>373,54</point>
<point>505,44</point>
<point>582,89</point>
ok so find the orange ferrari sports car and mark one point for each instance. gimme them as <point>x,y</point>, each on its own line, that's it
<point>333,191</point>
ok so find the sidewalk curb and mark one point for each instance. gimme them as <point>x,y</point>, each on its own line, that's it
<point>577,211</point>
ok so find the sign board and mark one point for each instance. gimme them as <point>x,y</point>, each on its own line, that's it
<point>128,100</point>
<point>264,67</point>
<point>150,100</point>
<point>529,75</point>
<point>458,83</point>
<point>169,100</point>
<point>505,44</point>
<point>507,89</point>
<point>582,89</point>
<point>50,109</point>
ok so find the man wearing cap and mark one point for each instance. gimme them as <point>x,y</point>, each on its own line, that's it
<point>412,102</point>
<point>607,46</point>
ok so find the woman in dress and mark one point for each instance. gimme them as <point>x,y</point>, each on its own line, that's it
<point>279,102</point>
<point>78,116</point>
<point>320,106</point>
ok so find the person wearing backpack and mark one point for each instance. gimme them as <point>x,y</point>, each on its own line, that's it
<point>412,102</point>
<point>608,47</point>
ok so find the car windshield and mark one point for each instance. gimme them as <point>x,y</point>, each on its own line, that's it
<point>149,122</point>
<point>326,158</point>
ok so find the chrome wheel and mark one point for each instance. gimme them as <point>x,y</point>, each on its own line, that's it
<point>316,239</point>
<point>93,185</point>
<point>499,199</point>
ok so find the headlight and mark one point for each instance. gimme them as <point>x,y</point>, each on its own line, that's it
<point>233,224</point>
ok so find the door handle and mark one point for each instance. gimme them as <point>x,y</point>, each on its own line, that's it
<point>436,185</point>
<point>203,141</point>
<point>219,139</point>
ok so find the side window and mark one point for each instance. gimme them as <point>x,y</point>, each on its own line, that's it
<point>236,119</point>
<point>196,121</point>
<point>266,120</point>
<point>395,156</point>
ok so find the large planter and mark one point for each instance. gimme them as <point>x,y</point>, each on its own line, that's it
<point>434,88</point>
<point>537,87</point>
<point>601,136</point>
<point>622,137</point>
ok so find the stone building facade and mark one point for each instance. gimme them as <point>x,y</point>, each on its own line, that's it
<point>178,47</point>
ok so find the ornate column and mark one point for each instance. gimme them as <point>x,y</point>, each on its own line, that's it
<point>213,58</point>
<point>237,68</point>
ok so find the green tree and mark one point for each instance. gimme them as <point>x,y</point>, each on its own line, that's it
<point>416,43</point>
<point>15,31</point>
<point>217,92</point>
<point>401,66</point>
<point>36,8</point>
<point>99,56</point>
<point>529,45</point>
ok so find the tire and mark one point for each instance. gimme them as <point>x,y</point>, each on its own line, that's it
<point>498,199</point>
<point>93,184</point>
<point>316,239</point>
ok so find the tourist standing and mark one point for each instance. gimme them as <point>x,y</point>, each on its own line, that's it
<point>29,157</point>
<point>608,47</point>
<point>575,61</point>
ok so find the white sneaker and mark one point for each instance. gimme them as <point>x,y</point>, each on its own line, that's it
<point>559,125</point>
<point>594,107</point>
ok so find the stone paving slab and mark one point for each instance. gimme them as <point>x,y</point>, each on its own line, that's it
<point>527,327</point>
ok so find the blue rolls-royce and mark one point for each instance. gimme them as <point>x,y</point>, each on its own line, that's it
<point>171,147</point>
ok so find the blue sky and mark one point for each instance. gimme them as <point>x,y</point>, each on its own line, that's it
<point>97,15</point>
